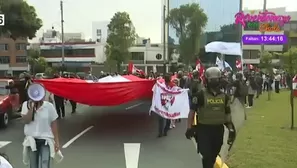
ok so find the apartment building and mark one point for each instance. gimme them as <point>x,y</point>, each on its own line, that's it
<point>13,56</point>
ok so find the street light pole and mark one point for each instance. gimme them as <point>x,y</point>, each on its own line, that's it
<point>164,37</point>
<point>62,36</point>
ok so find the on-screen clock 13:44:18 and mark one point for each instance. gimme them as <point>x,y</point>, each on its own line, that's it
<point>252,39</point>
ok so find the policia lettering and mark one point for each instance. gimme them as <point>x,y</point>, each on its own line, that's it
<point>213,112</point>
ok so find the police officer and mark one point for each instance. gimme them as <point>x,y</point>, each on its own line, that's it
<point>196,84</point>
<point>164,124</point>
<point>213,112</point>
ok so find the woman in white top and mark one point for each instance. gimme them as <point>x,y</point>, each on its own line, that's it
<point>40,127</point>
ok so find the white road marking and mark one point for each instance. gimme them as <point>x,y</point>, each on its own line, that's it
<point>132,151</point>
<point>133,106</point>
<point>76,137</point>
<point>4,143</point>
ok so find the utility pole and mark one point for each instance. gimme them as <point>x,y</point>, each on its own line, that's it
<point>262,45</point>
<point>164,38</point>
<point>62,37</point>
<point>240,35</point>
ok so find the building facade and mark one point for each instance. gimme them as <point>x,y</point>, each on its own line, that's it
<point>77,56</point>
<point>53,36</point>
<point>251,53</point>
<point>13,56</point>
<point>100,31</point>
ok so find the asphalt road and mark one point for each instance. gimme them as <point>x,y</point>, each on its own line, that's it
<point>110,137</point>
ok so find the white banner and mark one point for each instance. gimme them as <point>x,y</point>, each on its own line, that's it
<point>170,103</point>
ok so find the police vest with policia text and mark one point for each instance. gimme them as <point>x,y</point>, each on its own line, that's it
<point>213,110</point>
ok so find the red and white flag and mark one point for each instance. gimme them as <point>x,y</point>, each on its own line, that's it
<point>238,64</point>
<point>200,68</point>
<point>132,69</point>
<point>250,66</point>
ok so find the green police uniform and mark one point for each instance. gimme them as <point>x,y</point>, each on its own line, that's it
<point>213,111</point>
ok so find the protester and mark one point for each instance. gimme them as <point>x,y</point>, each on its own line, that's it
<point>42,140</point>
<point>73,103</point>
<point>240,88</point>
<point>252,89</point>
<point>277,80</point>
<point>259,83</point>
<point>211,117</point>
<point>164,124</point>
<point>59,103</point>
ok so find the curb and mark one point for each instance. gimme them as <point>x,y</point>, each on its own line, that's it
<point>219,163</point>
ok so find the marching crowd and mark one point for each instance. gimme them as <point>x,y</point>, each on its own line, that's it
<point>213,85</point>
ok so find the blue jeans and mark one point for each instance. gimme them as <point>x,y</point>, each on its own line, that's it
<point>40,158</point>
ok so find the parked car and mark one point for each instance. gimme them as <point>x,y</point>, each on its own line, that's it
<point>6,107</point>
<point>40,76</point>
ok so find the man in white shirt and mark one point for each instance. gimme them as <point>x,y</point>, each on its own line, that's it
<point>277,80</point>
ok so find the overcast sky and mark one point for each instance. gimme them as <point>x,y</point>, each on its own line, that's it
<point>145,14</point>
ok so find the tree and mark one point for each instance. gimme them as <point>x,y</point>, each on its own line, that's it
<point>38,64</point>
<point>121,37</point>
<point>20,19</point>
<point>266,63</point>
<point>188,21</point>
<point>230,33</point>
<point>289,59</point>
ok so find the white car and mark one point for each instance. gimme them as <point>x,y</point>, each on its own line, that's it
<point>40,76</point>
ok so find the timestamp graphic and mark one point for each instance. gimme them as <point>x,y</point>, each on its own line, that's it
<point>264,39</point>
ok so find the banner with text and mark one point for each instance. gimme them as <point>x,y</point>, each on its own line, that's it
<point>170,103</point>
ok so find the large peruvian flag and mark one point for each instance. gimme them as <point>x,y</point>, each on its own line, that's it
<point>107,91</point>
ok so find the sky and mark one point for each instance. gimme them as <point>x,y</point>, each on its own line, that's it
<point>145,14</point>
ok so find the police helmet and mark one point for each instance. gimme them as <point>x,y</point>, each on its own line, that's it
<point>213,73</point>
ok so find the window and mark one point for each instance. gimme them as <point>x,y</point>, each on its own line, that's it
<point>21,59</point>
<point>293,26</point>
<point>4,59</point>
<point>246,54</point>
<point>255,54</point>
<point>137,56</point>
<point>98,32</point>
<point>68,52</point>
<point>21,46</point>
<point>4,47</point>
<point>287,27</point>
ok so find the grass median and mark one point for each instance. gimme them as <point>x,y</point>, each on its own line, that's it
<point>266,140</point>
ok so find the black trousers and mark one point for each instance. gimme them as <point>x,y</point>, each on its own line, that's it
<point>60,107</point>
<point>276,86</point>
<point>265,86</point>
<point>209,142</point>
<point>164,125</point>
<point>73,105</point>
<point>251,100</point>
